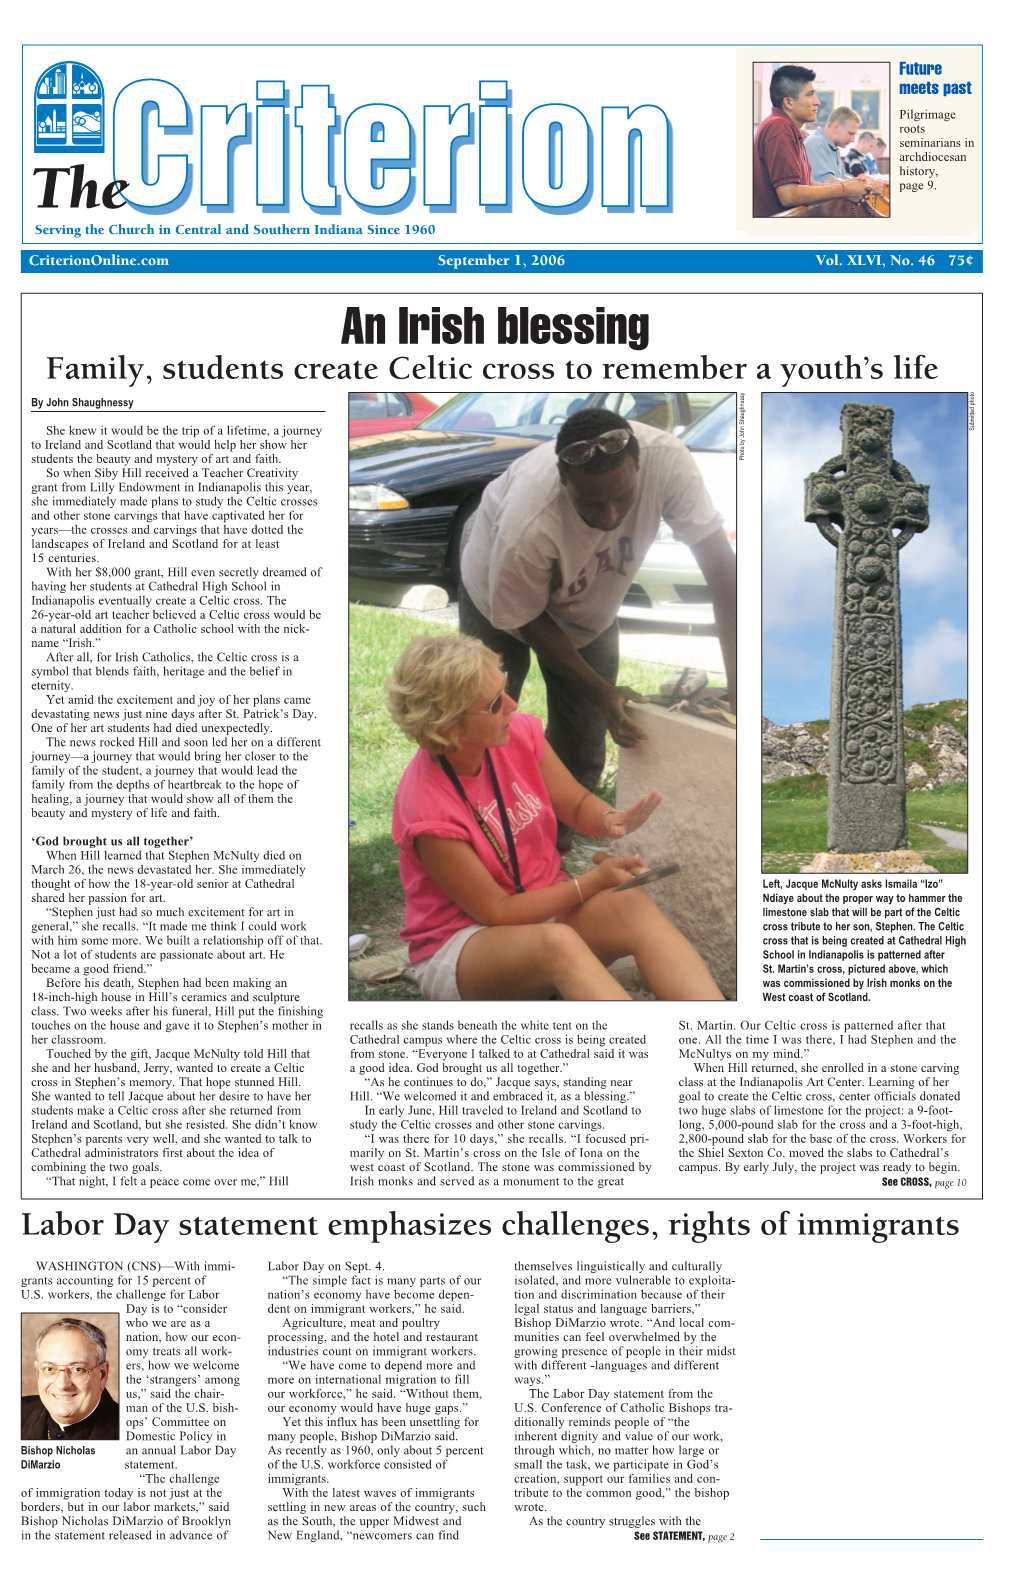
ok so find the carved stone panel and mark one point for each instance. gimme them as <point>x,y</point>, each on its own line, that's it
<point>868,506</point>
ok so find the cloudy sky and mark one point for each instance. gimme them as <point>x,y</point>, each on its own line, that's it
<point>800,432</point>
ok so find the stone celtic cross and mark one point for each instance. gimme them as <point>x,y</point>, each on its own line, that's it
<point>868,506</point>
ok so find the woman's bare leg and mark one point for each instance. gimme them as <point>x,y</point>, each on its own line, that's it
<point>529,962</point>
<point>617,923</point>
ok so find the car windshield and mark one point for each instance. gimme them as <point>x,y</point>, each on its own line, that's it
<point>523,412</point>
<point>526,414</point>
<point>716,432</point>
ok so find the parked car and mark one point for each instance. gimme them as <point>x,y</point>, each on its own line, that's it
<point>669,587</point>
<point>701,404</point>
<point>411,492</point>
<point>369,411</point>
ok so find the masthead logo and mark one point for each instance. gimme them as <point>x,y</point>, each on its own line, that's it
<point>70,109</point>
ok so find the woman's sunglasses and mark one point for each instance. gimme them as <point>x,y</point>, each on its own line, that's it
<point>490,711</point>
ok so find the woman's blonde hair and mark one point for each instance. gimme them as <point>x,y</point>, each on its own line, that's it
<point>433,685</point>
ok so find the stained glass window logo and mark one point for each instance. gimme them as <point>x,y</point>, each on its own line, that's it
<point>70,110</point>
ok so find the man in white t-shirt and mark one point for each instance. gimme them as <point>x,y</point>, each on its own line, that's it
<point>556,541</point>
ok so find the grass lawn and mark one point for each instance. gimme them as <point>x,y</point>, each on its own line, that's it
<point>378,755</point>
<point>793,824</point>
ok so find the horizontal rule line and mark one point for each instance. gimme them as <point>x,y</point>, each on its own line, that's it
<point>173,411</point>
<point>461,262</point>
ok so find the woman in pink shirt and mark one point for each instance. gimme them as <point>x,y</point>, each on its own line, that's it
<point>490,913</point>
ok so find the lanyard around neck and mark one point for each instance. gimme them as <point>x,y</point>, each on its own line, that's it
<point>510,863</point>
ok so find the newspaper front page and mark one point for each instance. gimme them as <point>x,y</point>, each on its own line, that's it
<point>583,1220</point>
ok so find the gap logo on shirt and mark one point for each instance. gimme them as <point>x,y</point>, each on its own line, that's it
<point>605,564</point>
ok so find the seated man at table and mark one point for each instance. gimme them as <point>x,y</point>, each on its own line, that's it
<point>860,159</point>
<point>824,148</point>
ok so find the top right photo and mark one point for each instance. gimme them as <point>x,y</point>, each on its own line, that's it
<point>821,148</point>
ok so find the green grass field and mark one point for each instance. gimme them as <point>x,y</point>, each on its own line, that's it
<point>793,824</point>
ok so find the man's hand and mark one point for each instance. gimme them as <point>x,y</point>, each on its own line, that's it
<point>855,189</point>
<point>624,729</point>
<point>619,822</point>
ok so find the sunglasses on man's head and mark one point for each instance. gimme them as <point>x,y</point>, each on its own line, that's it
<point>608,443</point>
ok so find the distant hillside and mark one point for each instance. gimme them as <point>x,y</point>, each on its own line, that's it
<point>935,739</point>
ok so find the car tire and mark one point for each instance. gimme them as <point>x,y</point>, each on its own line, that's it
<point>461,518</point>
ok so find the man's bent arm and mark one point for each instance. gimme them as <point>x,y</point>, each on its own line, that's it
<point>796,196</point>
<point>717,562</point>
<point>547,640</point>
